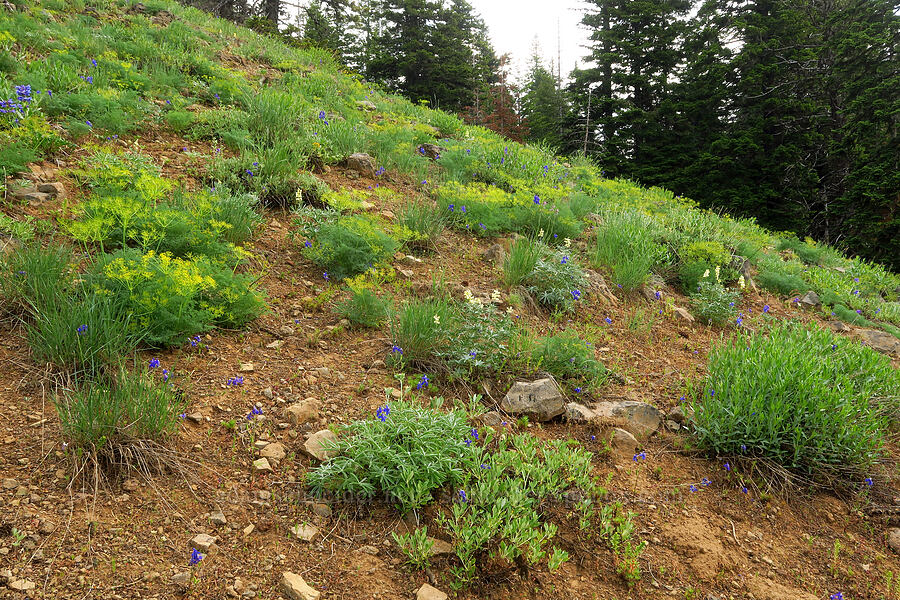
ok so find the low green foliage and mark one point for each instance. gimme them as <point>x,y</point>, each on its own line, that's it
<point>713,303</point>
<point>35,278</point>
<point>350,245</point>
<point>417,547</point>
<point>799,396</point>
<point>781,283</point>
<point>424,221</point>
<point>118,409</point>
<point>406,458</point>
<point>569,358</point>
<point>520,262</point>
<point>625,244</point>
<point>808,253</point>
<point>365,308</point>
<point>552,277</point>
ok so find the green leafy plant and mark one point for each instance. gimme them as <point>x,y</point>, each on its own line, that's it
<point>350,245</point>
<point>713,303</point>
<point>365,308</point>
<point>625,244</point>
<point>416,546</point>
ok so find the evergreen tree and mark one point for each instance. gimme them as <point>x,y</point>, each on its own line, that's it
<point>544,105</point>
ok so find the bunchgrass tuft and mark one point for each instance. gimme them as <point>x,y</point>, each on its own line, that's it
<point>625,245</point>
<point>799,397</point>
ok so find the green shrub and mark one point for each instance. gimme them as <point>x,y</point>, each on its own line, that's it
<point>625,244</point>
<point>406,457</point>
<point>848,315</point>
<point>521,261</point>
<point>14,158</point>
<point>568,357</point>
<point>173,298</point>
<point>709,252</point>
<point>794,395</point>
<point>713,303</point>
<point>311,189</point>
<point>419,328</point>
<point>179,120</point>
<point>352,244</point>
<point>118,409</point>
<point>781,283</point>
<point>808,253</point>
<point>365,308</point>
<point>557,280</point>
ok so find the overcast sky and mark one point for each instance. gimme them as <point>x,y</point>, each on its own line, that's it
<point>514,25</point>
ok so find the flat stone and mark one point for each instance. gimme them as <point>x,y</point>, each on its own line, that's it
<point>366,105</point>
<point>53,188</point>
<point>246,367</point>
<point>894,539</point>
<point>684,314</point>
<point>681,414</point>
<point>440,547</point>
<point>275,344</point>
<point>295,588</point>
<point>491,419</point>
<point>304,532</point>
<point>406,273</point>
<point>37,197</point>
<point>494,254</point>
<point>10,484</point>
<point>410,260</point>
<point>427,592</point>
<point>182,580</point>
<point>202,542</point>
<point>218,518</point>
<point>196,417</point>
<point>321,509</point>
<point>839,326</point>
<point>260,444</point>
<point>274,452</point>
<point>810,298</point>
<point>21,585</point>
<point>622,442</point>
<point>286,330</point>
<point>262,465</point>
<point>362,163</point>
<point>639,418</point>
<point>315,444</point>
<point>305,411</point>
<point>879,340</point>
<point>539,400</point>
<point>578,413</point>
<point>369,549</point>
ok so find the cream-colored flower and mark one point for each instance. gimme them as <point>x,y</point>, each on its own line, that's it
<point>706,274</point>
<point>495,296</point>
<point>437,319</point>
<point>567,242</point>
<point>509,310</point>
<point>717,272</point>
<point>541,233</point>
<point>741,282</point>
<point>468,295</point>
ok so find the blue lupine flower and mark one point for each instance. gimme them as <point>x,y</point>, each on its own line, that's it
<point>608,321</point>
<point>82,329</point>
<point>232,381</point>
<point>450,208</point>
<point>743,448</point>
<point>382,413</point>
<point>484,466</point>
<point>397,349</point>
<point>658,295</point>
<point>423,383</point>
<point>576,294</point>
<point>744,489</point>
<point>728,466</point>
<point>325,275</point>
<point>474,434</point>
<point>196,557</point>
<point>165,374</point>
<point>564,260</point>
<point>593,437</point>
<point>705,482</point>
<point>253,412</point>
<point>578,390</point>
<point>738,321</point>
<point>154,362</point>
<point>88,123</point>
<point>537,199</point>
<point>868,481</point>
<point>639,456</point>
<point>473,353</point>
<point>308,244</point>
<point>322,114</point>
<point>766,308</point>
<point>195,341</point>
<point>837,596</point>
<point>462,496</point>
<point>693,488</point>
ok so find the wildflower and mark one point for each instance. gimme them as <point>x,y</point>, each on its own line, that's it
<point>744,489</point>
<point>154,362</point>
<point>495,296</point>
<point>463,208</point>
<point>483,228</point>
<point>424,182</point>
<point>437,319</point>
<point>576,294</point>
<point>239,380</point>
<point>728,466</point>
<point>834,346</point>
<point>541,233</point>
<point>608,321</point>
<point>82,329</point>
<point>423,383</point>
<point>741,282</point>
<point>196,557</point>
<point>639,456</point>
<point>705,482</point>
<point>564,260</point>
<point>693,488</point>
<point>450,208</point>
<point>472,353</point>
<point>712,393</point>
<point>383,412</point>
<point>255,411</point>
<point>796,300</point>
<point>322,115</point>
<point>325,275</point>
<point>837,596</point>
<point>165,374</point>
<point>706,274</point>
<point>195,341</point>
<point>717,272</point>
<point>537,199</point>
<point>858,311</point>
<point>462,496</point>
<point>593,438</point>
<point>868,481</point>
<point>397,350</point>
<point>308,244</point>
<point>658,295</point>
<point>578,390</point>
<point>484,466</point>
<point>509,310</point>
<point>567,242</point>
<point>474,434</point>
<point>743,448</point>
<point>766,308</point>
<point>738,321</point>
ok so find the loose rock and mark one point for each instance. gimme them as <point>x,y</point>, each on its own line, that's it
<point>539,400</point>
<point>315,445</point>
<point>304,532</point>
<point>274,452</point>
<point>262,465</point>
<point>218,518</point>
<point>684,314</point>
<point>295,588</point>
<point>880,340</point>
<point>202,542</point>
<point>362,163</point>
<point>427,592</point>
<point>302,412</point>
<point>894,539</point>
<point>810,298</point>
<point>578,413</point>
<point>637,417</point>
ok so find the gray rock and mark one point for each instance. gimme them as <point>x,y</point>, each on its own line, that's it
<point>217,517</point>
<point>432,151</point>
<point>894,539</point>
<point>810,298</point>
<point>366,105</point>
<point>440,547</point>
<point>681,414</point>
<point>880,340</point>
<point>323,371</point>
<point>684,314</point>
<point>369,549</point>
<point>246,367</point>
<point>55,189</point>
<point>262,465</point>
<point>427,592</point>
<point>491,419</point>
<point>322,510</point>
<point>295,588</point>
<point>274,452</point>
<point>182,580</point>
<point>639,418</point>
<point>410,260</point>
<point>304,532</point>
<point>286,330</point>
<point>839,326</point>
<point>539,400</point>
<point>319,445</point>
<point>361,163</point>
<point>37,197</point>
<point>672,425</point>
<point>578,413</point>
<point>622,442</point>
<point>10,484</point>
<point>494,254</point>
<point>202,542</point>
<point>302,412</point>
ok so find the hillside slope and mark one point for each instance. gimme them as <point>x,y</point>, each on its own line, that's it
<point>217,247</point>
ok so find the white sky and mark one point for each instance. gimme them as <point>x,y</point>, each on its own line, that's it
<point>514,24</point>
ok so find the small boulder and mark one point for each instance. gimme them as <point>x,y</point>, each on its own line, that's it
<point>491,419</point>
<point>366,105</point>
<point>182,580</point>
<point>302,412</point>
<point>578,413</point>
<point>440,547</point>
<point>304,532</point>
<point>202,542</point>
<point>295,588</point>
<point>639,418</point>
<point>495,254</point>
<point>622,442</point>
<point>681,414</point>
<point>274,452</point>
<point>683,314</point>
<point>318,445</point>
<point>55,189</point>
<point>539,400</point>
<point>894,539</point>
<point>427,592</point>
<point>432,151</point>
<point>880,340</point>
<point>361,163</point>
<point>24,585</point>
<point>839,327</point>
<point>217,517</point>
<point>262,465</point>
<point>810,298</point>
<point>247,367</point>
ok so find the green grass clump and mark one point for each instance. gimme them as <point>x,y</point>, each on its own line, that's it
<point>365,308</point>
<point>520,262</point>
<point>567,357</point>
<point>119,409</point>
<point>808,253</point>
<point>625,244</point>
<point>405,458</point>
<point>781,283</point>
<point>423,222</point>
<point>350,245</point>
<point>798,396</point>
<point>552,277</point>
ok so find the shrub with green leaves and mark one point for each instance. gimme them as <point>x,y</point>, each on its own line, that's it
<point>552,276</point>
<point>713,303</point>
<point>423,223</point>
<point>569,358</point>
<point>117,409</point>
<point>350,245</point>
<point>799,396</point>
<point>781,283</point>
<point>365,308</point>
<point>405,455</point>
